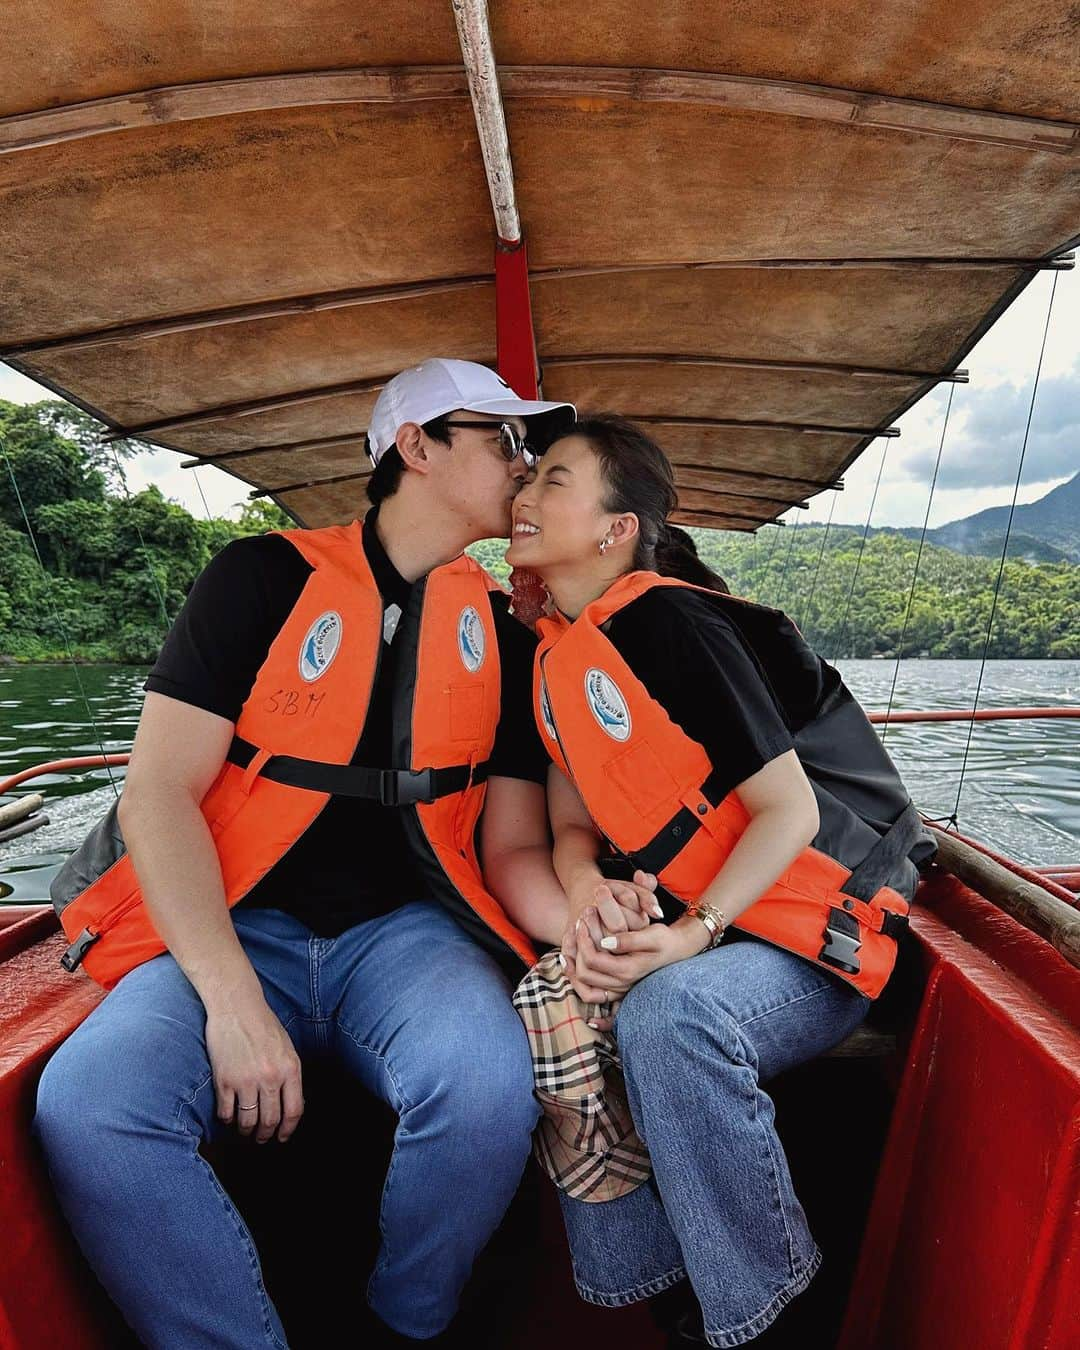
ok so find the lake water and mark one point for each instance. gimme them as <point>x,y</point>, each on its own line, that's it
<point>1021,787</point>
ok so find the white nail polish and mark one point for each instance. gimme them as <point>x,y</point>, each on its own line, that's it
<point>593,1025</point>
<point>609,944</point>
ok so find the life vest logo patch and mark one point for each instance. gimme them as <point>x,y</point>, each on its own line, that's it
<point>472,641</point>
<point>607,704</point>
<point>545,710</point>
<point>320,646</point>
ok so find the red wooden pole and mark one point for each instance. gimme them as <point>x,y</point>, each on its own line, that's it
<point>61,766</point>
<point>967,715</point>
<point>515,342</point>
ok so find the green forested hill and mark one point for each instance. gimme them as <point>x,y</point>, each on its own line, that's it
<point>118,565</point>
<point>1038,610</point>
<point>1042,531</point>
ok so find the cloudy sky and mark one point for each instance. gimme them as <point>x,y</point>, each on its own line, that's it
<point>982,445</point>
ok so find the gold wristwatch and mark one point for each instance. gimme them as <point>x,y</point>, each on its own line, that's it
<point>713,920</point>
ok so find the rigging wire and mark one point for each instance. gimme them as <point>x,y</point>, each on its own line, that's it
<point>918,561</point>
<point>952,819</point>
<point>858,560</point>
<point>777,531</point>
<point>750,568</point>
<point>202,494</point>
<point>805,614</point>
<point>56,615</point>
<point>787,563</point>
<point>142,542</point>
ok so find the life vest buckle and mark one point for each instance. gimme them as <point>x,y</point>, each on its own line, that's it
<point>406,787</point>
<point>72,958</point>
<point>841,942</point>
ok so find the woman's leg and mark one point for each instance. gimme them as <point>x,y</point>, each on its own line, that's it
<point>697,1038</point>
<point>122,1107</point>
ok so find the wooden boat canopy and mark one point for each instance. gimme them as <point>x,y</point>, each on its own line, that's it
<point>765,237</point>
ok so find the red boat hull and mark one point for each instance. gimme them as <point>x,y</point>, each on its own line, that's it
<point>972,1236</point>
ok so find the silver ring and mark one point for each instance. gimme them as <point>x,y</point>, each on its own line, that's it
<point>247,1108</point>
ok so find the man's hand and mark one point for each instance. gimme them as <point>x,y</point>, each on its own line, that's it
<point>606,967</point>
<point>256,1071</point>
<point>617,906</point>
<point>179,750</point>
<point>606,907</point>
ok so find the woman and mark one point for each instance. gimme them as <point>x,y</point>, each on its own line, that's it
<point>721,757</point>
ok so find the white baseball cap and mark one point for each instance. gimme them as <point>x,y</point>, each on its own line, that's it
<point>440,385</point>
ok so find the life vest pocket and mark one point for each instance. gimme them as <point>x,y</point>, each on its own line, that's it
<point>466,711</point>
<point>642,777</point>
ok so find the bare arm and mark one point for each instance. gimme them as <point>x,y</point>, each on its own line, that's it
<point>783,821</point>
<point>178,752</point>
<point>601,905</point>
<point>515,845</point>
<point>619,904</point>
<point>577,844</point>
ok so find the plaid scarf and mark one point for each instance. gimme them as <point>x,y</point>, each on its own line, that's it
<point>586,1140</point>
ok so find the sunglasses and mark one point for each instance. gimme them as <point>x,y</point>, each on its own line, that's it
<point>511,441</point>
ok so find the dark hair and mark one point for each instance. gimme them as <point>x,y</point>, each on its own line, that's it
<point>677,556</point>
<point>637,475</point>
<point>386,478</point>
<point>639,478</point>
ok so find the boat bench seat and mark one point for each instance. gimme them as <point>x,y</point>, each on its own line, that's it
<point>865,1042</point>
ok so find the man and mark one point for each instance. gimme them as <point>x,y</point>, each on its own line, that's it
<point>298,819</point>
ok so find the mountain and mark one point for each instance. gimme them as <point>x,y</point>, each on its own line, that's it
<point>1044,531</point>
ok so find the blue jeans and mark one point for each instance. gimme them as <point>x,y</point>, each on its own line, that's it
<point>697,1038</point>
<point>409,1004</point>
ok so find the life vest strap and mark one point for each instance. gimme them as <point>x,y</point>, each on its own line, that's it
<point>390,787</point>
<point>666,845</point>
<point>880,863</point>
<point>843,935</point>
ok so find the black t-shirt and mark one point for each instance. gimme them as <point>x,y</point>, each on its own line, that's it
<point>695,663</point>
<point>353,862</point>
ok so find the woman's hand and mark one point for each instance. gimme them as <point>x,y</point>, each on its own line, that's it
<point>606,906</point>
<point>613,906</point>
<point>606,967</point>
<point>620,905</point>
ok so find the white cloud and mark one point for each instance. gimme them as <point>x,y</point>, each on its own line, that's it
<point>986,425</point>
<point>17,388</point>
<point>225,495</point>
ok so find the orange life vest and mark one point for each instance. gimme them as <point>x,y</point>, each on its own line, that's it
<point>296,735</point>
<point>646,785</point>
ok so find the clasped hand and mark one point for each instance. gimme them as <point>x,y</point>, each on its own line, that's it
<point>611,942</point>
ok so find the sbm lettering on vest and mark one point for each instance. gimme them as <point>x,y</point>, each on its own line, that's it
<point>297,733</point>
<point>650,791</point>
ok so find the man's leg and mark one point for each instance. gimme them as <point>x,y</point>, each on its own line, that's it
<point>424,1019</point>
<point>697,1038</point>
<point>122,1107</point>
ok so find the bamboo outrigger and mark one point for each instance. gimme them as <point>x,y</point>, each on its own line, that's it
<point>767,234</point>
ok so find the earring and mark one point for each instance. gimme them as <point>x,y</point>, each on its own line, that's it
<point>605,542</point>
